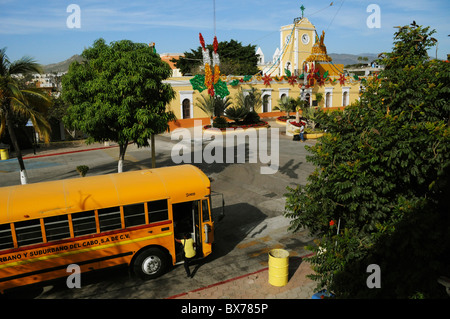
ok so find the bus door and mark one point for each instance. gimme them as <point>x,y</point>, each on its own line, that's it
<point>207,229</point>
<point>187,219</point>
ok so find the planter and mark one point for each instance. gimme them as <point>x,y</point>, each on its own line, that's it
<point>313,135</point>
<point>290,128</point>
<point>232,129</point>
<point>282,119</point>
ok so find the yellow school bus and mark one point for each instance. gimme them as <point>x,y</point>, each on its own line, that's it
<point>102,221</point>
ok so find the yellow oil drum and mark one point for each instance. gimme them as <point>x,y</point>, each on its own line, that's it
<point>278,267</point>
<point>4,154</point>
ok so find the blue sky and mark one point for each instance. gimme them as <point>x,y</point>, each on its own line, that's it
<point>38,28</point>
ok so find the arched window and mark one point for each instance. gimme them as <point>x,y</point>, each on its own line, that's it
<point>186,109</point>
<point>308,99</point>
<point>328,99</point>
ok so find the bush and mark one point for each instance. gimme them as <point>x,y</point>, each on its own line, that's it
<point>252,118</point>
<point>82,170</point>
<point>220,122</point>
<point>380,193</point>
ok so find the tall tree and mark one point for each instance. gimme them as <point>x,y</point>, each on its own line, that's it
<point>118,94</point>
<point>235,58</point>
<point>29,103</point>
<point>380,192</point>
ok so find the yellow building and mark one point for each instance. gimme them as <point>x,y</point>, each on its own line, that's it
<point>302,68</point>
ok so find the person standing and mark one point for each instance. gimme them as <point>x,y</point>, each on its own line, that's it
<point>189,251</point>
<point>302,130</point>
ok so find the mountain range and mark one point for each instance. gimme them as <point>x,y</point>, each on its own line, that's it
<point>338,58</point>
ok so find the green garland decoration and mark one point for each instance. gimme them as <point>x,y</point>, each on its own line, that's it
<point>221,89</point>
<point>198,83</point>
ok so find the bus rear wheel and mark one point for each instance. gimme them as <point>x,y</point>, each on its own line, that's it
<point>151,263</point>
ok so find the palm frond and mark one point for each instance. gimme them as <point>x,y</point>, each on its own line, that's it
<point>2,124</point>
<point>206,104</point>
<point>25,65</point>
<point>41,125</point>
<point>4,62</point>
<point>38,99</point>
<point>12,89</point>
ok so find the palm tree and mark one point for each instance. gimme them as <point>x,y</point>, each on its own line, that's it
<point>14,101</point>
<point>237,113</point>
<point>286,104</point>
<point>251,101</point>
<point>213,106</point>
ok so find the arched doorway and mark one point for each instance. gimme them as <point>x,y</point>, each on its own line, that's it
<point>265,103</point>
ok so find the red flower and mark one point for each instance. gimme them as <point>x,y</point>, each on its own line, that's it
<point>342,79</point>
<point>332,222</point>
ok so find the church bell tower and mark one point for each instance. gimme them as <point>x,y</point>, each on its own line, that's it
<point>296,42</point>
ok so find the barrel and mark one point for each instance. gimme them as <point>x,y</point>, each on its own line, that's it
<point>278,267</point>
<point>4,154</point>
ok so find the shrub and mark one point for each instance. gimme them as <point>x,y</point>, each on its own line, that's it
<point>220,122</point>
<point>252,118</point>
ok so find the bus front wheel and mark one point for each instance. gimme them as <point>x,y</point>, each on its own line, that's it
<point>150,263</point>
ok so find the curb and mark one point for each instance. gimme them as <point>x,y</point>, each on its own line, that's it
<point>217,284</point>
<point>69,152</point>
<point>226,281</point>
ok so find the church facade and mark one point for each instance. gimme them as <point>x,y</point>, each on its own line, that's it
<point>300,67</point>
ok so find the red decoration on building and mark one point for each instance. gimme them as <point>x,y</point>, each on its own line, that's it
<point>266,78</point>
<point>342,79</point>
<point>321,81</point>
<point>292,79</point>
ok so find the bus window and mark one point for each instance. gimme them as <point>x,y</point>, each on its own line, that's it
<point>157,211</point>
<point>56,227</point>
<point>6,240</point>
<point>205,210</point>
<point>134,215</point>
<point>28,232</point>
<point>109,219</point>
<point>84,223</point>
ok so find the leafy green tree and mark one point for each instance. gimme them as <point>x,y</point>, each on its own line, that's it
<point>380,192</point>
<point>27,103</point>
<point>117,94</point>
<point>235,58</point>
